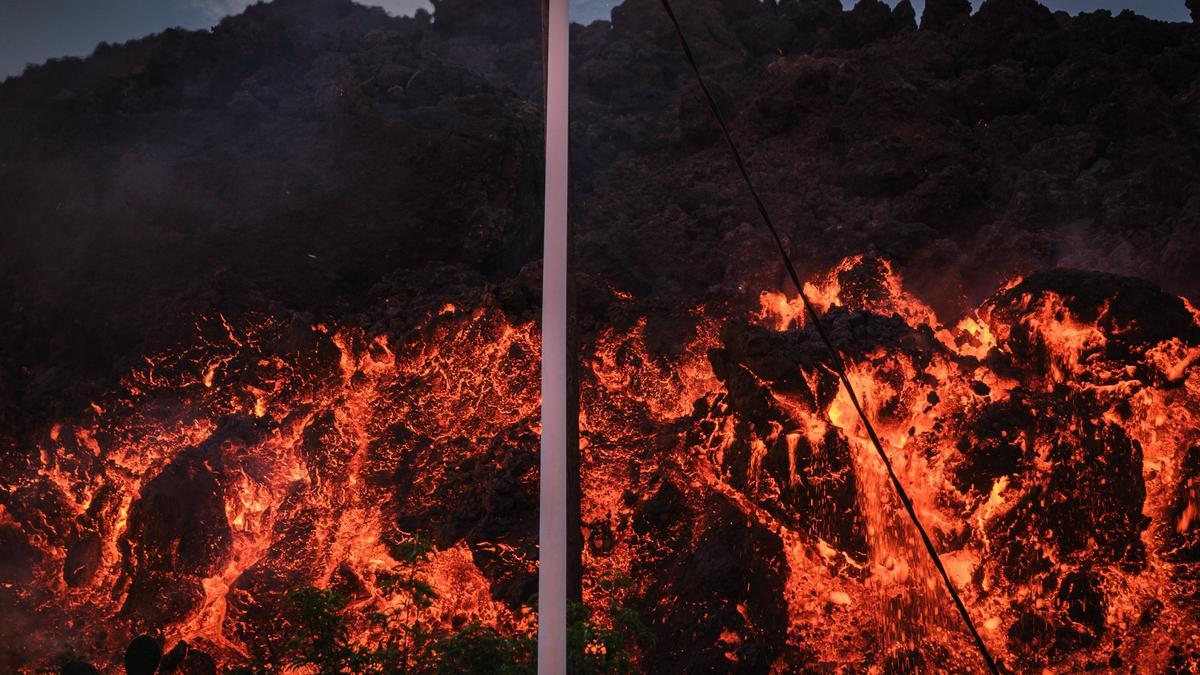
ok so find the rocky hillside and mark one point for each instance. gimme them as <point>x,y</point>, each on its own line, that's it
<point>300,152</point>
<point>312,203</point>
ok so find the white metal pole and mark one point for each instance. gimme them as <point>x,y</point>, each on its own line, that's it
<point>552,516</point>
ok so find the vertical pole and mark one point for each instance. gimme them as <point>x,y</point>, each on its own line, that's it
<point>553,508</point>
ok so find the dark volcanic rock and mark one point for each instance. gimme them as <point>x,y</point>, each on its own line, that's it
<point>295,154</point>
<point>184,659</point>
<point>1132,316</point>
<point>1097,460</point>
<point>1183,540</point>
<point>904,17</point>
<point>1021,138</point>
<point>870,20</point>
<point>1083,606</point>
<point>816,488</point>
<point>177,535</point>
<point>735,569</point>
<point>179,523</point>
<point>142,656</point>
<point>945,14</point>
<point>83,557</point>
<point>18,557</point>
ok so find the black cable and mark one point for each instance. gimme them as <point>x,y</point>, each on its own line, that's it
<point>838,364</point>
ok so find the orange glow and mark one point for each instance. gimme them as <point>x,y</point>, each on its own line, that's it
<point>318,440</point>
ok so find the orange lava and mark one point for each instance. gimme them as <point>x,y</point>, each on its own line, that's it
<point>314,426</point>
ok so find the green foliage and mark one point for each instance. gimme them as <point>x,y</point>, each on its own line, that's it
<point>322,638</point>
<point>412,550</point>
<point>596,650</point>
<point>481,649</point>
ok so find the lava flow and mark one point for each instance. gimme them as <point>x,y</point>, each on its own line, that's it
<point>1049,441</point>
<point>265,458</point>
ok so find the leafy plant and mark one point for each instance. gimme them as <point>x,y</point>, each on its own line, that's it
<point>603,643</point>
<point>481,649</point>
<point>608,643</point>
<point>323,640</point>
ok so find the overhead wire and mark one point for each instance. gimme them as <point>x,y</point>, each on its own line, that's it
<point>839,365</point>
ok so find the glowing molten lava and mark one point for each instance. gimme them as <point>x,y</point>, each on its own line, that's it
<point>1049,441</point>
<point>265,458</point>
